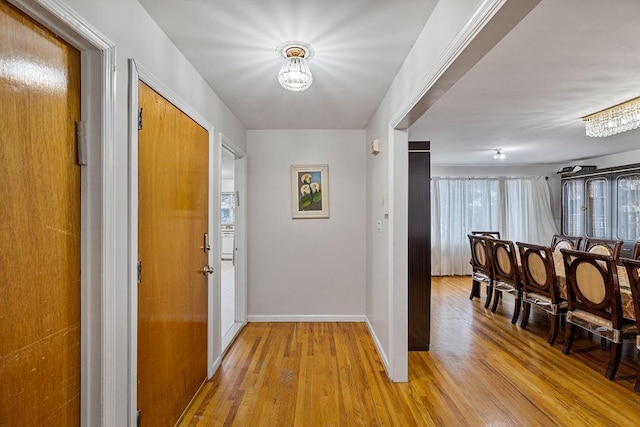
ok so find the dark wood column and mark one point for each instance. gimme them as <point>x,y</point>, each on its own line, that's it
<point>419,245</point>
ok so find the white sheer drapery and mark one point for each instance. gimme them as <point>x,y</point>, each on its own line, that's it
<point>518,207</point>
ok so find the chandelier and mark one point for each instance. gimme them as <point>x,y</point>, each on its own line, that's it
<point>613,120</point>
<point>295,74</point>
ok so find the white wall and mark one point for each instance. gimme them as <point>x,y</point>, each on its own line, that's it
<point>308,269</point>
<point>612,160</point>
<point>385,302</point>
<point>137,36</point>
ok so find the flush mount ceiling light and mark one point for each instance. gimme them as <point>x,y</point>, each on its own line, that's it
<point>499,155</point>
<point>613,120</point>
<point>295,74</point>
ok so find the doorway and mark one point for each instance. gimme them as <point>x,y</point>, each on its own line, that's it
<point>227,243</point>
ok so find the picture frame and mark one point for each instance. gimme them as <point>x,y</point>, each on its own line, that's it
<point>309,191</point>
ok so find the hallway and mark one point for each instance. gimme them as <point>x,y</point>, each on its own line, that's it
<point>481,370</point>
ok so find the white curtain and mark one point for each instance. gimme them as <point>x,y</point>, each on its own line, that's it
<point>518,207</point>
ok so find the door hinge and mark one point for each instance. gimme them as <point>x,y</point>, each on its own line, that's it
<point>237,198</point>
<point>138,416</point>
<point>139,271</point>
<point>140,119</point>
<point>81,143</point>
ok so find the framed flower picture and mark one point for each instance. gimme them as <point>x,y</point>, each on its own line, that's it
<point>310,191</point>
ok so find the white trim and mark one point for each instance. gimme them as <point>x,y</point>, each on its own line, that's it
<point>139,73</point>
<point>231,335</point>
<point>480,18</point>
<point>398,369</point>
<point>398,256</point>
<point>307,318</point>
<point>98,372</point>
<point>240,241</point>
<point>378,344</point>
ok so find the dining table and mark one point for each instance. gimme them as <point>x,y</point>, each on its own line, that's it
<point>628,311</point>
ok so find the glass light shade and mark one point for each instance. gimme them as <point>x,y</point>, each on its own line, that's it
<point>614,120</point>
<point>295,74</point>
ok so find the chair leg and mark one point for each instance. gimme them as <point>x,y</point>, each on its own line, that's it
<point>475,289</point>
<point>570,336</point>
<point>516,309</point>
<point>496,298</point>
<point>637,386</point>
<point>489,293</point>
<point>526,307</point>
<point>614,360</point>
<point>553,332</point>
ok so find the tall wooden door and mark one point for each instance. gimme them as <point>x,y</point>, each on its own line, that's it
<point>172,294</point>
<point>39,225</point>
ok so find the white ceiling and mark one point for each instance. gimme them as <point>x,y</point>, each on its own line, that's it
<point>359,47</point>
<point>566,59</point>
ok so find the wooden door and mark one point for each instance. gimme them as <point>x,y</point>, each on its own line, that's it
<point>172,295</point>
<point>39,225</point>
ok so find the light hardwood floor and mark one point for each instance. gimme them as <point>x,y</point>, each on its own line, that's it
<point>481,370</point>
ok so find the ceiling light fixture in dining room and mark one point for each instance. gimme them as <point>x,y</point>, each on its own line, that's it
<point>295,74</point>
<point>610,121</point>
<point>499,155</point>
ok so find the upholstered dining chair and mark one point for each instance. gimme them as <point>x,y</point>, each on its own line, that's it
<point>593,295</point>
<point>635,253</point>
<point>506,275</point>
<point>540,286</point>
<point>492,234</point>
<point>560,241</point>
<point>482,266</point>
<point>633,272</point>
<point>608,247</point>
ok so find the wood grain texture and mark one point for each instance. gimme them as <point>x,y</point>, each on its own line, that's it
<point>39,225</point>
<point>172,297</point>
<point>419,246</point>
<point>481,370</point>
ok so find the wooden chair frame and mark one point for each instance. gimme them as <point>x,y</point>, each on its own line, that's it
<point>538,291</point>
<point>506,275</point>
<point>573,240</point>
<point>633,272</point>
<point>492,234</point>
<point>482,266</point>
<point>614,245</point>
<point>609,309</point>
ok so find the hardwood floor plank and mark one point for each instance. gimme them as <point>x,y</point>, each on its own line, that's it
<point>481,370</point>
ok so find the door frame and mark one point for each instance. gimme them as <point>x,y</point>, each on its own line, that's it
<point>240,242</point>
<point>98,370</point>
<point>139,73</point>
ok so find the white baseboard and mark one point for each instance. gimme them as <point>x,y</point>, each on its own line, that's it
<point>381,353</point>
<point>307,318</point>
<point>216,365</point>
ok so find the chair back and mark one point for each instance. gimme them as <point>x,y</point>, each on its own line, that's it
<point>492,234</point>
<point>505,262</point>
<point>633,272</point>
<point>560,241</point>
<point>608,247</point>
<point>538,270</point>
<point>635,254</point>
<point>592,285</point>
<point>481,254</point>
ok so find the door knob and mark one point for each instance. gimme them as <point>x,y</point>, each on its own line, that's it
<point>207,270</point>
